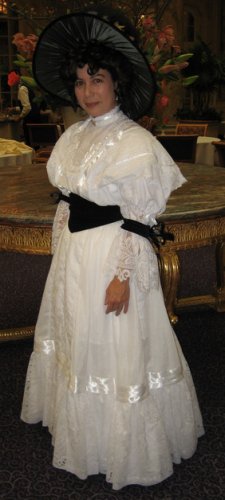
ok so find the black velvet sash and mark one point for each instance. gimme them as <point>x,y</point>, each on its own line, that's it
<point>85,214</point>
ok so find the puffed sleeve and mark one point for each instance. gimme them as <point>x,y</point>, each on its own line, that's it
<point>143,185</point>
<point>55,165</point>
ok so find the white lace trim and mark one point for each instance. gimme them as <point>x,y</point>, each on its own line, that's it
<point>138,442</point>
<point>132,256</point>
<point>60,220</point>
<point>123,274</point>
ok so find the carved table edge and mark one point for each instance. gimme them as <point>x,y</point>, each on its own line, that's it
<point>18,333</point>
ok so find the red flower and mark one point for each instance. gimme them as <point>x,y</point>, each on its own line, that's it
<point>153,68</point>
<point>13,79</point>
<point>161,40</point>
<point>169,34</point>
<point>148,22</point>
<point>163,101</point>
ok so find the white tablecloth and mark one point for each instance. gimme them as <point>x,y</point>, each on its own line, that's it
<point>9,160</point>
<point>14,153</point>
<point>205,151</point>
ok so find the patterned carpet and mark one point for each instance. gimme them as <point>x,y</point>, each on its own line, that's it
<point>26,472</point>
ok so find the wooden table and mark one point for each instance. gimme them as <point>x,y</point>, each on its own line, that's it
<point>195,214</point>
<point>205,151</point>
<point>220,150</point>
<point>26,209</point>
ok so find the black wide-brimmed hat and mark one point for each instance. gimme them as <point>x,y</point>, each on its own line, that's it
<point>109,27</point>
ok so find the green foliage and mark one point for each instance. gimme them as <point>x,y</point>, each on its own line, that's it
<point>29,82</point>
<point>22,64</point>
<point>183,57</point>
<point>189,80</point>
<point>209,67</point>
<point>211,74</point>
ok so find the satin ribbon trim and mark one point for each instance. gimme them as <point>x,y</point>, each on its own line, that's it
<point>159,379</point>
<point>100,385</point>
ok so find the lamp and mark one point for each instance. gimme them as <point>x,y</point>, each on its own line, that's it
<point>3,7</point>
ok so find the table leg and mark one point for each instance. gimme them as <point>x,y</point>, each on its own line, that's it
<point>170,275</point>
<point>220,266</point>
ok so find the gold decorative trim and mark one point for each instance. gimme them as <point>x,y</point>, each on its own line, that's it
<point>170,275</point>
<point>25,239</point>
<point>192,235</point>
<point>196,233</point>
<point>198,300</point>
<point>17,333</point>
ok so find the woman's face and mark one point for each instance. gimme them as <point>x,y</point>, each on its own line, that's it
<point>95,93</point>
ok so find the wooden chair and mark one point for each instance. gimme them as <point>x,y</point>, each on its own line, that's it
<point>220,149</point>
<point>42,138</point>
<point>147,122</point>
<point>191,128</point>
<point>42,155</point>
<point>180,147</point>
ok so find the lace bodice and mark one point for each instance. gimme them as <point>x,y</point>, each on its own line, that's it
<point>111,160</point>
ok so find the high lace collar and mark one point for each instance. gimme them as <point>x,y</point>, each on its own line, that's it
<point>110,117</point>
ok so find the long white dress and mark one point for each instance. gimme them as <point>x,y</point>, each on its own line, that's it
<point>115,391</point>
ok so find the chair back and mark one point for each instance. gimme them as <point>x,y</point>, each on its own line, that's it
<point>43,134</point>
<point>180,147</point>
<point>147,122</point>
<point>191,128</point>
<point>220,149</point>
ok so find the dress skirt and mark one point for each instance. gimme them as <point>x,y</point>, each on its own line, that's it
<point>115,391</point>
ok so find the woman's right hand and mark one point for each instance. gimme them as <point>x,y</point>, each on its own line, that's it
<point>117,296</point>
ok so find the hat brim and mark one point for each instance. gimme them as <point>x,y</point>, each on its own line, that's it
<point>68,32</point>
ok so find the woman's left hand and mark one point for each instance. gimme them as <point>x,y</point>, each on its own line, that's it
<point>117,296</point>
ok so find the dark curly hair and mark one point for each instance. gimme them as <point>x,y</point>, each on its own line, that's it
<point>97,55</point>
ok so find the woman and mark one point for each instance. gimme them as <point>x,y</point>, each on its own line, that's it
<point>27,111</point>
<point>107,375</point>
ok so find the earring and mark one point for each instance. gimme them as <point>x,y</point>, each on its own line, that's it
<point>117,95</point>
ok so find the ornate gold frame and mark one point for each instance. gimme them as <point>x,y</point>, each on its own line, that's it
<point>26,238</point>
<point>192,234</point>
<point>17,333</point>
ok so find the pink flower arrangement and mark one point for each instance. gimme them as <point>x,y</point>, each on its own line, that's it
<point>165,59</point>
<point>25,44</point>
<point>25,50</point>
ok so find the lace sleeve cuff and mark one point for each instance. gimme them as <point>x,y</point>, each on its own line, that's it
<point>123,274</point>
<point>132,256</point>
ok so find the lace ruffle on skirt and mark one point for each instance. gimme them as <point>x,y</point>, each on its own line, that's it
<point>115,391</point>
<point>129,443</point>
<point>60,220</point>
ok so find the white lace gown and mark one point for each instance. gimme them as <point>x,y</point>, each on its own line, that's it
<point>115,391</point>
